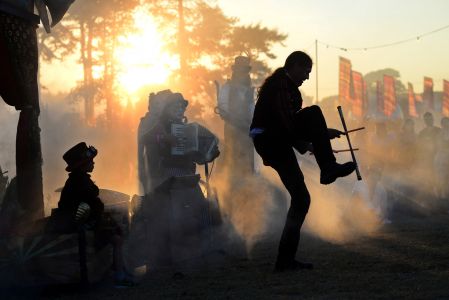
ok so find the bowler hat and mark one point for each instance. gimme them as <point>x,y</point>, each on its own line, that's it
<point>176,98</point>
<point>79,155</point>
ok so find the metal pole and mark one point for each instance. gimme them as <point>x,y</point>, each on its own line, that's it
<point>316,70</point>
<point>340,111</point>
<point>206,173</point>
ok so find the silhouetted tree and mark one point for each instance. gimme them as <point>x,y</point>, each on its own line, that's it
<point>95,26</point>
<point>372,77</point>
<point>206,41</point>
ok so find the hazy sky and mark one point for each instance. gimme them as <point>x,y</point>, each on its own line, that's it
<point>357,23</point>
<point>345,23</point>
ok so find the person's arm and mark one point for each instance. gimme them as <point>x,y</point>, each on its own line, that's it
<point>69,197</point>
<point>282,105</point>
<point>90,196</point>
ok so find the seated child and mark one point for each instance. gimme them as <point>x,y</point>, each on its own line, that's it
<point>81,206</point>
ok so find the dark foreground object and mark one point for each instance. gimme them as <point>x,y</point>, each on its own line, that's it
<point>336,170</point>
<point>292,266</point>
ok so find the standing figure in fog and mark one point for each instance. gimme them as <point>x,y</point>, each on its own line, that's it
<point>279,125</point>
<point>428,140</point>
<point>171,222</point>
<point>158,159</point>
<point>441,162</point>
<point>236,106</point>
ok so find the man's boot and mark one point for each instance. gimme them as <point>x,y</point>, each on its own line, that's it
<point>335,170</point>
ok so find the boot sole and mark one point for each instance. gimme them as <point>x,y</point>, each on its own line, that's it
<point>330,179</point>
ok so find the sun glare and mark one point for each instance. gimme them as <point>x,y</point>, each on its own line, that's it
<point>140,58</point>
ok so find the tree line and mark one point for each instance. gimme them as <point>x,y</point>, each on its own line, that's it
<point>202,37</point>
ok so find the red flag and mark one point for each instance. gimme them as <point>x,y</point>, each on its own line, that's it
<point>428,93</point>
<point>357,95</point>
<point>380,97</point>
<point>365,97</point>
<point>411,102</point>
<point>445,98</point>
<point>344,81</point>
<point>389,95</point>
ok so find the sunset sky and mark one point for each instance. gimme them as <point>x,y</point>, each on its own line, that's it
<point>345,23</point>
<point>357,23</point>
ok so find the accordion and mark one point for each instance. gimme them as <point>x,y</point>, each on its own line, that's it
<point>194,138</point>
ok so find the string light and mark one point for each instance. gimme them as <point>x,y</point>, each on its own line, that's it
<point>417,38</point>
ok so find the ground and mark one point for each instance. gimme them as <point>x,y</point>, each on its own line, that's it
<point>407,259</point>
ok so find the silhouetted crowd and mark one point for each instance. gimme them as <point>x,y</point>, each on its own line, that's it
<point>404,163</point>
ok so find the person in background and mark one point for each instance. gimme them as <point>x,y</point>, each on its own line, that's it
<point>427,144</point>
<point>406,147</point>
<point>441,163</point>
<point>236,107</point>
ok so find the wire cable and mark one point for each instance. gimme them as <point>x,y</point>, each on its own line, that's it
<point>328,45</point>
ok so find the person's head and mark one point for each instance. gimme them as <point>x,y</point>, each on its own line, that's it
<point>298,66</point>
<point>154,99</point>
<point>175,108</point>
<point>428,119</point>
<point>445,123</point>
<point>241,69</point>
<point>80,158</point>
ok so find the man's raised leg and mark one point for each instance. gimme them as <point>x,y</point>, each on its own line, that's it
<point>312,127</point>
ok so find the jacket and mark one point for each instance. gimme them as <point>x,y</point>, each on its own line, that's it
<point>278,101</point>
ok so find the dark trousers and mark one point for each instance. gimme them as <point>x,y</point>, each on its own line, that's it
<point>293,180</point>
<point>278,153</point>
<point>311,127</point>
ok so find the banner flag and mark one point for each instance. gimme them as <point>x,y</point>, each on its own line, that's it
<point>428,93</point>
<point>365,98</point>
<point>357,94</point>
<point>380,97</point>
<point>445,98</point>
<point>389,95</point>
<point>344,81</point>
<point>412,112</point>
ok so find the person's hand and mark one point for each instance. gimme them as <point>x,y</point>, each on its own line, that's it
<point>334,133</point>
<point>82,212</point>
<point>201,159</point>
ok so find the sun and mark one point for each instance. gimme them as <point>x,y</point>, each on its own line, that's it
<point>140,58</point>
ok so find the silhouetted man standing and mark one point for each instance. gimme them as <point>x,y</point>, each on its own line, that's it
<point>280,124</point>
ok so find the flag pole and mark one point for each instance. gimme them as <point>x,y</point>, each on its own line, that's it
<point>316,71</point>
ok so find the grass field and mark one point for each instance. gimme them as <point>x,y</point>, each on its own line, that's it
<point>408,259</point>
